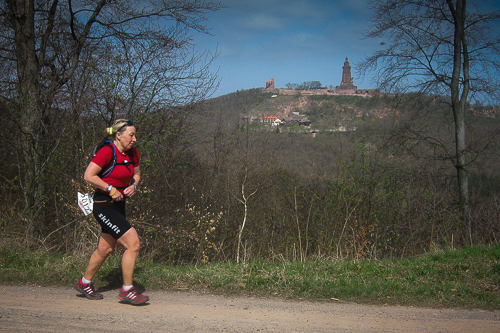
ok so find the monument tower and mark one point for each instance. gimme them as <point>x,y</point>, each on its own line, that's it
<point>346,83</point>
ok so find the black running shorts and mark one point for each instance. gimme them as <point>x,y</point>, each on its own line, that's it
<point>110,215</point>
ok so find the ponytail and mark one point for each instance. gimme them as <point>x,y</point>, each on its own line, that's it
<point>118,126</point>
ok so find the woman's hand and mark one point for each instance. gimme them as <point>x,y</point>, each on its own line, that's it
<point>117,195</point>
<point>129,191</point>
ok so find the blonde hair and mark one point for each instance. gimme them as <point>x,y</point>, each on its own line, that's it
<point>120,125</point>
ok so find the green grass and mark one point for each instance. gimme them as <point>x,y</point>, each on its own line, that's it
<point>468,278</point>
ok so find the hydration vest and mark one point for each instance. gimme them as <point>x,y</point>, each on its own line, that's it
<point>106,170</point>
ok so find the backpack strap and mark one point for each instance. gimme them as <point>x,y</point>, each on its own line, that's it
<point>106,171</point>
<point>126,162</point>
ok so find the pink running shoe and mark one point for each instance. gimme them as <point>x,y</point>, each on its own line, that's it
<point>132,296</point>
<point>88,290</point>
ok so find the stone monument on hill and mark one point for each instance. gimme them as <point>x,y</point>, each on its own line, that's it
<point>346,83</point>
<point>270,84</point>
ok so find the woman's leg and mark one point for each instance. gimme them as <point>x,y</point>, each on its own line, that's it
<point>128,293</point>
<point>130,240</point>
<point>106,245</point>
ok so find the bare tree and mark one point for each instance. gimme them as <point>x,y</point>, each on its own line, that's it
<point>142,52</point>
<point>251,162</point>
<point>443,47</point>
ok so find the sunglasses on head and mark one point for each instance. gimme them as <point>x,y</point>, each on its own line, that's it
<point>128,123</point>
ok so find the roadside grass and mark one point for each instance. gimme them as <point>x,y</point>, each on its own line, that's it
<point>467,278</point>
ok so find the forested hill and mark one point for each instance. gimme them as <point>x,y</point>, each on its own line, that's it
<point>368,177</point>
<point>336,112</point>
<point>318,133</point>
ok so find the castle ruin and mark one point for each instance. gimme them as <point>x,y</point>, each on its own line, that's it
<point>270,84</point>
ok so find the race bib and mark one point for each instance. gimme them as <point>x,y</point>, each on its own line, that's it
<point>85,202</point>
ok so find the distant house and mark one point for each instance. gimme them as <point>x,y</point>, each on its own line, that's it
<point>268,119</point>
<point>272,120</point>
<point>275,121</point>
<point>300,122</point>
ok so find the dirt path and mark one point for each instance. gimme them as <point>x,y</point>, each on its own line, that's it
<point>40,309</point>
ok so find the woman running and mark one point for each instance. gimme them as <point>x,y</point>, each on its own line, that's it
<point>115,174</point>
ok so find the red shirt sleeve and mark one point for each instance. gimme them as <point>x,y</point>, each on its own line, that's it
<point>103,157</point>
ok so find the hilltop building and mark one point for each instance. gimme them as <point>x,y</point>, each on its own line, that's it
<point>270,84</point>
<point>346,87</point>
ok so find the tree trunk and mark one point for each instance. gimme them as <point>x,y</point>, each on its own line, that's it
<point>30,103</point>
<point>458,102</point>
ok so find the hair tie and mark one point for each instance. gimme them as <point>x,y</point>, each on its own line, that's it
<point>109,130</point>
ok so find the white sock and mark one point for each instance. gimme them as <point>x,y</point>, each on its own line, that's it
<point>127,288</point>
<point>85,281</point>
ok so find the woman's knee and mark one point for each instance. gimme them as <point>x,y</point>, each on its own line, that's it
<point>106,245</point>
<point>130,240</point>
<point>135,245</point>
<point>104,250</point>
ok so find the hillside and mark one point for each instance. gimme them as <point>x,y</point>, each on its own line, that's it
<point>411,126</point>
<point>385,186</point>
<point>323,112</point>
<point>335,111</point>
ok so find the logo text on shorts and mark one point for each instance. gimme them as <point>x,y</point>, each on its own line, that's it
<point>109,224</point>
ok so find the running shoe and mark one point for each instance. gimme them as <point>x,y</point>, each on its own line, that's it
<point>88,290</point>
<point>133,296</point>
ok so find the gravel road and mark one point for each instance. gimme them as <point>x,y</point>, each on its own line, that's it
<point>42,309</point>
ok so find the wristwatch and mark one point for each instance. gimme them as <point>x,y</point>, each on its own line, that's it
<point>109,188</point>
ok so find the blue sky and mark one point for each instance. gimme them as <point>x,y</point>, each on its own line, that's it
<point>291,40</point>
